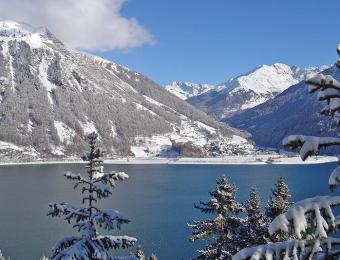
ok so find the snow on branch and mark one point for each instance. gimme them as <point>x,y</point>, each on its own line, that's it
<point>319,81</point>
<point>69,211</point>
<point>310,145</point>
<point>110,177</point>
<point>297,216</point>
<point>75,251</point>
<point>102,190</point>
<point>202,229</point>
<point>334,105</point>
<point>97,153</point>
<point>76,177</point>
<point>110,219</point>
<point>114,242</point>
<point>87,229</point>
<point>328,94</point>
<point>63,244</point>
<point>89,249</point>
<point>334,178</point>
<point>291,249</point>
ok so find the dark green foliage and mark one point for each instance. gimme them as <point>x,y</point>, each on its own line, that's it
<point>278,204</point>
<point>221,231</point>
<point>279,200</point>
<point>255,227</point>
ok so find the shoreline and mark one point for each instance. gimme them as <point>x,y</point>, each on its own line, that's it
<point>229,160</point>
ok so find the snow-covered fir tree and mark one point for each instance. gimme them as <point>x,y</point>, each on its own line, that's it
<point>88,217</point>
<point>221,231</point>
<point>278,204</point>
<point>254,229</point>
<point>279,200</point>
<point>312,220</point>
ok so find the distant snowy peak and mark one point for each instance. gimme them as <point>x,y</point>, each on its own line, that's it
<point>185,90</point>
<point>251,89</point>
<point>270,78</point>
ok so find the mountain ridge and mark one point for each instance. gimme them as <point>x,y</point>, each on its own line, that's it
<point>294,111</point>
<point>250,89</point>
<point>185,89</point>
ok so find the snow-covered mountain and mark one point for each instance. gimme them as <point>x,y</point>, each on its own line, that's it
<point>251,89</point>
<point>185,90</point>
<point>51,96</point>
<point>294,111</point>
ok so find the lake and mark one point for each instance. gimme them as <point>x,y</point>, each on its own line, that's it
<point>158,199</point>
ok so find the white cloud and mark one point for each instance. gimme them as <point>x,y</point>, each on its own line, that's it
<point>81,24</point>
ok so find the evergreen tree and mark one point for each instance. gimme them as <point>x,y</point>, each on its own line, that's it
<point>279,200</point>
<point>222,229</point>
<point>278,204</point>
<point>254,230</point>
<point>86,218</point>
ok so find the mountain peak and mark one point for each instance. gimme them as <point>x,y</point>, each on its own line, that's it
<point>270,78</point>
<point>48,94</point>
<point>35,37</point>
<point>251,89</point>
<point>17,29</point>
<point>184,89</point>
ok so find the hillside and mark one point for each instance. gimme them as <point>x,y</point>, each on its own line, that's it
<point>51,97</point>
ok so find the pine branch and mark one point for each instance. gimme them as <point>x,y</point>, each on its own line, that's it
<point>109,219</point>
<point>296,216</point>
<point>115,242</point>
<point>69,211</point>
<point>321,81</point>
<point>310,145</point>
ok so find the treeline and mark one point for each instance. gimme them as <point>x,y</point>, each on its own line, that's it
<point>236,225</point>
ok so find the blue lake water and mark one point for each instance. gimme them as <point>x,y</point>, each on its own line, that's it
<point>158,199</point>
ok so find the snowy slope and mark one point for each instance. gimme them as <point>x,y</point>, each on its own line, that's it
<point>51,97</point>
<point>184,90</point>
<point>251,89</point>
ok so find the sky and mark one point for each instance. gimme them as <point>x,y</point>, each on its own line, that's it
<point>203,41</point>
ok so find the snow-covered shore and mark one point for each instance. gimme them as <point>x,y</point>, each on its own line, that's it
<point>232,160</point>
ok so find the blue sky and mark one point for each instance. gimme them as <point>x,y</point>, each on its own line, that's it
<point>204,41</point>
<point>211,41</point>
